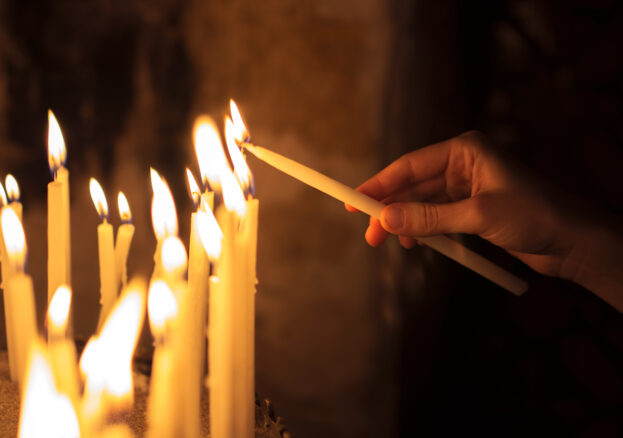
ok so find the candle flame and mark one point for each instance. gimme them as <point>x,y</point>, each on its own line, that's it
<point>174,259</point>
<point>162,306</point>
<point>210,153</point>
<point>193,188</point>
<point>233,197</point>
<point>3,198</point>
<point>14,238</point>
<point>210,233</point>
<point>99,199</point>
<point>163,213</point>
<point>124,208</point>
<point>12,188</point>
<point>106,361</point>
<point>57,153</point>
<point>240,129</point>
<point>45,412</point>
<point>58,309</point>
<point>241,169</point>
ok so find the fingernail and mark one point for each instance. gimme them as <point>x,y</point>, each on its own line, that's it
<point>394,217</point>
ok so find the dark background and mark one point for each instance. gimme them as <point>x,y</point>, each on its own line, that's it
<point>351,341</point>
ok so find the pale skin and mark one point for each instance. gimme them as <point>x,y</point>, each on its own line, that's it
<point>463,186</point>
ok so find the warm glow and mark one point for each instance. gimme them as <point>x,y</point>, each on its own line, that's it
<point>45,412</point>
<point>241,169</point>
<point>163,213</point>
<point>210,153</point>
<point>3,198</point>
<point>106,361</point>
<point>124,208</point>
<point>240,130</point>
<point>57,154</point>
<point>232,193</point>
<point>193,188</point>
<point>14,238</point>
<point>99,199</point>
<point>58,310</point>
<point>174,259</point>
<point>210,233</point>
<point>161,306</point>
<point>12,188</point>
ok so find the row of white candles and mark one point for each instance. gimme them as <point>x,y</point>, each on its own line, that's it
<point>220,267</point>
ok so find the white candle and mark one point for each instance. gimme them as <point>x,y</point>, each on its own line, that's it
<point>124,239</point>
<point>106,253</point>
<point>61,349</point>
<point>8,317</point>
<point>59,248</point>
<point>163,409</point>
<point>20,290</point>
<point>372,207</point>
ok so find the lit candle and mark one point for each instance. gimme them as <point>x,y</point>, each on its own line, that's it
<point>45,412</point>
<point>59,247</point>
<point>162,409</point>
<point>198,279</point>
<point>106,362</point>
<point>8,317</point>
<point>443,244</point>
<point>230,403</point>
<point>20,293</point>
<point>124,239</point>
<point>106,253</point>
<point>163,216</point>
<point>61,349</point>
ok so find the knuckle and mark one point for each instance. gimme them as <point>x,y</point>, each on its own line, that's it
<point>429,218</point>
<point>476,140</point>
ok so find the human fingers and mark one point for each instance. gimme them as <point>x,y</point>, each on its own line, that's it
<point>427,219</point>
<point>375,234</point>
<point>407,242</point>
<point>416,166</point>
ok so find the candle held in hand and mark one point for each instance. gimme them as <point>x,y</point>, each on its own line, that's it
<point>443,244</point>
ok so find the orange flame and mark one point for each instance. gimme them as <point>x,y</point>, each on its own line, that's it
<point>57,153</point>
<point>173,254</point>
<point>163,213</point>
<point>124,208</point>
<point>58,310</point>
<point>193,188</point>
<point>99,199</point>
<point>210,233</point>
<point>14,238</point>
<point>240,130</point>
<point>12,188</point>
<point>241,169</point>
<point>162,307</point>
<point>210,153</point>
<point>3,198</point>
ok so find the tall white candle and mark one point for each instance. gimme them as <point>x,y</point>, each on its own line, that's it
<point>125,232</point>
<point>59,247</point>
<point>372,207</point>
<point>61,349</point>
<point>21,292</point>
<point>106,253</point>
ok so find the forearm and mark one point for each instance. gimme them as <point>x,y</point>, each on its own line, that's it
<point>596,262</point>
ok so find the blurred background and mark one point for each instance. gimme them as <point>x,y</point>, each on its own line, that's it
<point>351,341</point>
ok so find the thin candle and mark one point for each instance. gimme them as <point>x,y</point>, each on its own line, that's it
<point>59,246</point>
<point>163,216</point>
<point>125,233</point>
<point>372,207</point>
<point>106,253</point>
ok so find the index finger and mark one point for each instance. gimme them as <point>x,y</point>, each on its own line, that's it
<point>413,167</point>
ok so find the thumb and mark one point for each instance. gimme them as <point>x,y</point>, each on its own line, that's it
<point>419,219</point>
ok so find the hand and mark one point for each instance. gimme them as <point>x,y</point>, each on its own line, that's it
<point>462,186</point>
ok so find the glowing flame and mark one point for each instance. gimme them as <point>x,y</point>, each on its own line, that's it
<point>210,233</point>
<point>193,188</point>
<point>3,199</point>
<point>174,259</point>
<point>57,154</point>
<point>210,153</point>
<point>240,130</point>
<point>162,306</point>
<point>124,208</point>
<point>106,361</point>
<point>232,193</point>
<point>12,188</point>
<point>241,169</point>
<point>163,213</point>
<point>58,310</point>
<point>99,199</point>
<point>44,411</point>
<point>14,238</point>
